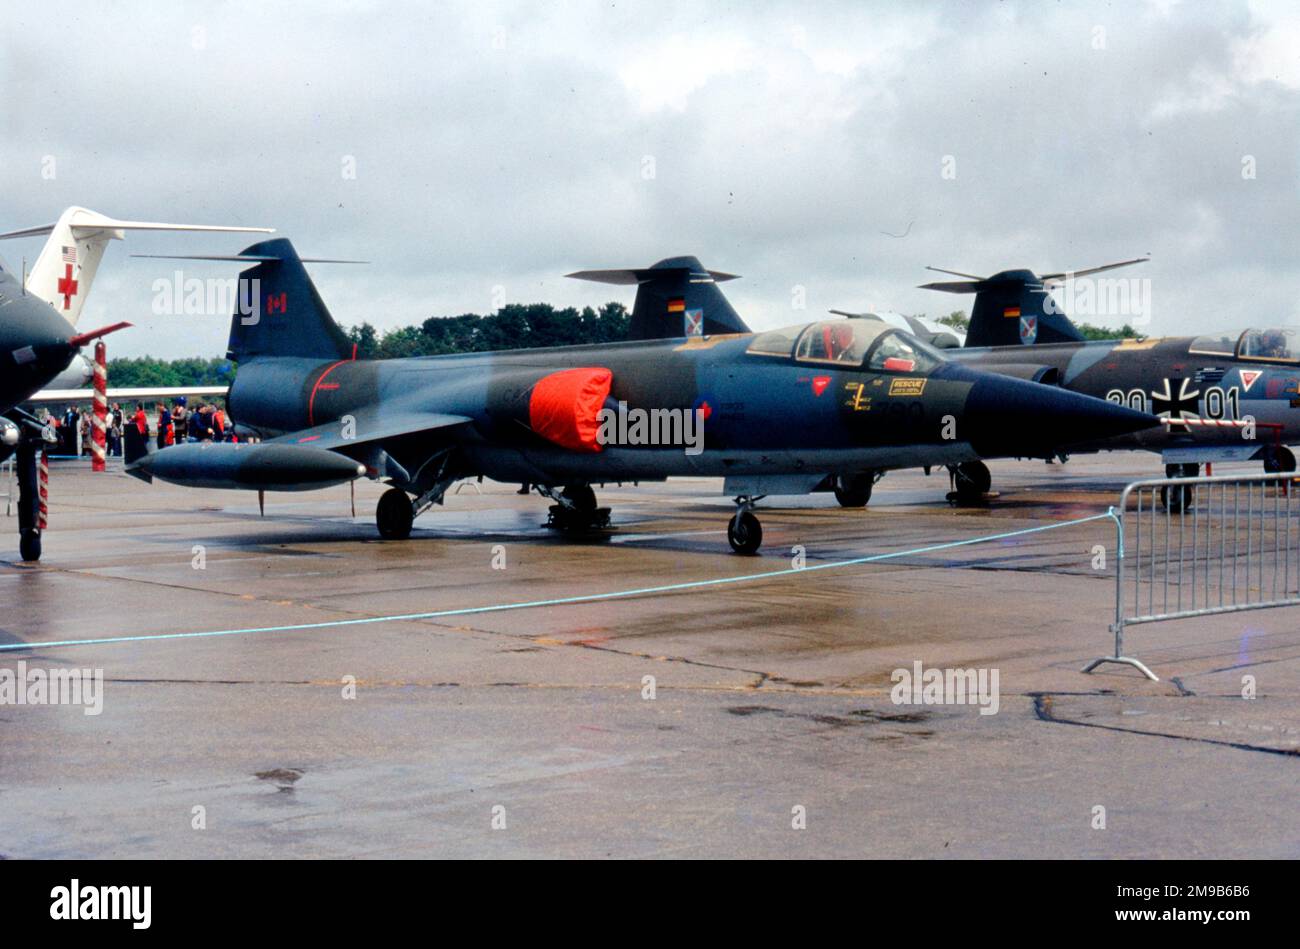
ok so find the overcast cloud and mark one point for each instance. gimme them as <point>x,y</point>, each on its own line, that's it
<point>501,144</point>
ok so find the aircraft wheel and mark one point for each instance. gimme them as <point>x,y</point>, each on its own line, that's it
<point>1278,459</point>
<point>854,490</point>
<point>582,496</point>
<point>394,515</point>
<point>972,480</point>
<point>744,533</point>
<point>1176,499</point>
<point>29,545</point>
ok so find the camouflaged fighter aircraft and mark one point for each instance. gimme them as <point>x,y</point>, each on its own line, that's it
<point>36,344</point>
<point>780,410</point>
<point>1205,389</point>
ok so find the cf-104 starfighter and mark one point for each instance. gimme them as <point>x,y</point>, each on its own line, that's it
<point>779,410</point>
<point>1227,396</point>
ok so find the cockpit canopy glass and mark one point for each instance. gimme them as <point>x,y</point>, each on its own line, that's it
<point>849,343</point>
<point>1269,345</point>
<point>1276,344</point>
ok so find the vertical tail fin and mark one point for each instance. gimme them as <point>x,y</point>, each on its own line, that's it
<point>279,311</point>
<point>1015,307</point>
<point>67,264</point>
<point>674,298</point>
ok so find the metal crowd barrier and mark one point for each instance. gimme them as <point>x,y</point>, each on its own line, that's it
<point>1202,546</point>
<point>7,479</point>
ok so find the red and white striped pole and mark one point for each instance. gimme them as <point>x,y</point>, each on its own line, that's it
<point>99,438</point>
<point>43,480</point>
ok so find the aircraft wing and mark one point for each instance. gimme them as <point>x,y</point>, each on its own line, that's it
<point>368,426</point>
<point>142,394</point>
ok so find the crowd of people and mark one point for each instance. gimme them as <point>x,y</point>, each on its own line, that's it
<point>203,422</point>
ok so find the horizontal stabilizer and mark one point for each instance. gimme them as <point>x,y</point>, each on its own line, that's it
<point>633,277</point>
<point>1012,307</point>
<point>247,258</point>
<point>675,298</point>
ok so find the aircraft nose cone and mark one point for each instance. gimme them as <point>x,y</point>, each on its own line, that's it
<point>1013,417</point>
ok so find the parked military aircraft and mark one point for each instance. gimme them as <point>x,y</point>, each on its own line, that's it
<point>779,410</point>
<point>1207,390</point>
<point>36,344</point>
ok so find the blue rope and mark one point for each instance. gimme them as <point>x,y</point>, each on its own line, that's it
<point>564,600</point>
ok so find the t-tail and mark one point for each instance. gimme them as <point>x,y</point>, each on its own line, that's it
<point>277,309</point>
<point>279,312</point>
<point>1016,307</point>
<point>67,264</point>
<point>676,297</point>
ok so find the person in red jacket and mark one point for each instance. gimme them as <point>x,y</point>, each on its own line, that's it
<point>141,420</point>
<point>166,434</point>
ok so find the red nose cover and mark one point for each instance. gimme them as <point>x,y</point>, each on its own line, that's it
<point>564,405</point>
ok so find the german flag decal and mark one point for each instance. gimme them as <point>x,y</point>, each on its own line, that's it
<point>1012,312</point>
<point>676,304</point>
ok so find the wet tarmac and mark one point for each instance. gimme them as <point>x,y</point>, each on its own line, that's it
<point>767,730</point>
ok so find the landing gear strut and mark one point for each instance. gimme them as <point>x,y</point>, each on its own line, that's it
<point>31,522</point>
<point>1178,498</point>
<point>744,533</point>
<point>971,480</point>
<point>575,509</point>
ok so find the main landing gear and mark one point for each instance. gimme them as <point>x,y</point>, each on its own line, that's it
<point>395,515</point>
<point>575,510</point>
<point>971,480</point>
<point>744,533</point>
<point>854,490</point>
<point>1178,498</point>
<point>1278,459</point>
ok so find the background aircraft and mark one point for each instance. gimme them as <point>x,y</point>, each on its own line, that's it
<point>39,310</point>
<point>66,266</point>
<point>780,409</point>
<point>1206,389</point>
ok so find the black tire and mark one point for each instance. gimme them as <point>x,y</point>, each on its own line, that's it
<point>744,533</point>
<point>1278,459</point>
<point>854,490</point>
<point>394,515</point>
<point>1177,499</point>
<point>29,546</point>
<point>582,496</point>
<point>972,480</point>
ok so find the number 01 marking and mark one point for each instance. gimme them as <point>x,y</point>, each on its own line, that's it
<point>1217,399</point>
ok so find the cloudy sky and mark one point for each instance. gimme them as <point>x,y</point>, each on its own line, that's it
<point>835,147</point>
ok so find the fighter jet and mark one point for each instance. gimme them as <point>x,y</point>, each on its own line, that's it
<point>1229,396</point>
<point>36,344</point>
<point>770,412</point>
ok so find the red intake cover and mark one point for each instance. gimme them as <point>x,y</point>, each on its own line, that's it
<point>564,405</point>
